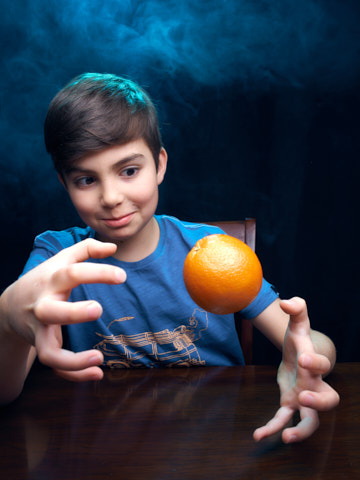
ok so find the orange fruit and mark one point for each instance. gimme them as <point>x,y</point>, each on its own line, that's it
<point>222,274</point>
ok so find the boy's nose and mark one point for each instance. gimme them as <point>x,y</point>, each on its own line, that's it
<point>111,195</point>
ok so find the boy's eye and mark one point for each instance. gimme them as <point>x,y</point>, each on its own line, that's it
<point>130,171</point>
<point>84,181</point>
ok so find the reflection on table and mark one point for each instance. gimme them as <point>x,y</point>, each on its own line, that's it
<point>188,423</point>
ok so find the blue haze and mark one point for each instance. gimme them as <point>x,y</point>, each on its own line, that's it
<point>260,109</point>
<point>176,49</point>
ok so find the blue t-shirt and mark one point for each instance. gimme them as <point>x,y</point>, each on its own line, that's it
<point>150,320</point>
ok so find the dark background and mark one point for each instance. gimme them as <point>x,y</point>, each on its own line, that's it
<point>259,106</point>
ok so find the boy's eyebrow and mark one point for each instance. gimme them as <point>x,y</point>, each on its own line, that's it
<point>123,161</point>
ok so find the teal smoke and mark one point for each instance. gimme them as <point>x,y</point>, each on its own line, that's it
<point>215,42</point>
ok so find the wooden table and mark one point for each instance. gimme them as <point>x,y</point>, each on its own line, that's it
<point>193,423</point>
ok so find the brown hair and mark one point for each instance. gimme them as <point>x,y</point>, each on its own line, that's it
<point>94,111</point>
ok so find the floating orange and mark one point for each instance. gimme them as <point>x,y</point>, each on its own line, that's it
<point>222,274</point>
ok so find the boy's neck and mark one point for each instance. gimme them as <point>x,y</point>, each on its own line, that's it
<point>141,245</point>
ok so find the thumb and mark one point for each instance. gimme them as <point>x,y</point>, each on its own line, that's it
<point>89,248</point>
<point>297,309</point>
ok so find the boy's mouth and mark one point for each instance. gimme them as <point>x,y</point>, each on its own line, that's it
<point>120,221</point>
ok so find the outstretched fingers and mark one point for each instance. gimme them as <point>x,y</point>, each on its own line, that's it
<point>295,306</point>
<point>88,374</point>
<point>298,335</point>
<point>314,363</point>
<point>50,352</point>
<point>297,310</point>
<point>276,424</point>
<point>56,312</point>
<point>53,308</point>
<point>304,429</point>
<point>70,276</point>
<point>325,400</point>
<point>89,248</point>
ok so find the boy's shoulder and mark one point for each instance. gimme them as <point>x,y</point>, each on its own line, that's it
<point>59,239</point>
<point>52,242</point>
<point>174,222</point>
<point>186,229</point>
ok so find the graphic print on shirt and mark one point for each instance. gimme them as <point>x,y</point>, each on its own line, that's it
<point>167,347</point>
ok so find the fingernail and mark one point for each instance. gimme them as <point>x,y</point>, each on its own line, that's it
<point>289,301</point>
<point>120,275</point>
<point>93,310</point>
<point>308,400</point>
<point>291,439</point>
<point>305,361</point>
<point>95,360</point>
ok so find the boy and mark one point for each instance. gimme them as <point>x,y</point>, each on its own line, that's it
<point>123,272</point>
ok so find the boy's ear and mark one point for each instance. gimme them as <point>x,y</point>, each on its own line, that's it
<point>62,181</point>
<point>162,165</point>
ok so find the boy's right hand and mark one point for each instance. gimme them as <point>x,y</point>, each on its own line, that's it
<point>37,306</point>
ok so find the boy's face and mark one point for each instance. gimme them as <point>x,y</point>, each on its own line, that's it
<point>115,191</point>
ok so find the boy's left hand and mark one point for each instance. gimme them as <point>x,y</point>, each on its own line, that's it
<point>300,380</point>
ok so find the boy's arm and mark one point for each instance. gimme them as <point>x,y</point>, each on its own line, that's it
<point>308,355</point>
<point>33,309</point>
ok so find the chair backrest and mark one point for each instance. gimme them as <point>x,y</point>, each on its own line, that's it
<point>244,230</point>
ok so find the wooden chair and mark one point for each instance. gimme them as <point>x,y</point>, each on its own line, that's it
<point>244,230</point>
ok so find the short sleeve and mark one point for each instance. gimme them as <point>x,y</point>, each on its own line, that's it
<point>49,243</point>
<point>267,295</point>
